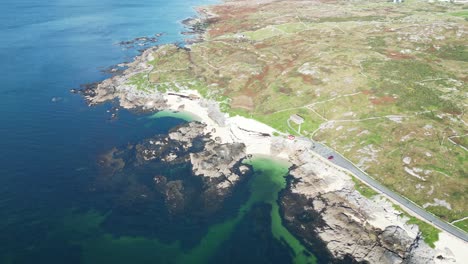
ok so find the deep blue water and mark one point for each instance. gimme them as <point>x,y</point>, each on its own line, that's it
<point>51,210</point>
<point>48,47</point>
<point>48,149</point>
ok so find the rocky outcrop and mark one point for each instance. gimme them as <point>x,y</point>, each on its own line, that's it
<point>217,160</point>
<point>119,86</point>
<point>215,168</point>
<point>218,165</point>
<point>186,134</point>
<point>175,147</point>
<point>196,26</point>
<point>221,169</point>
<point>345,229</point>
<point>321,202</point>
<point>140,42</point>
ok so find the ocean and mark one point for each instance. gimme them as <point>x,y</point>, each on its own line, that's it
<point>51,142</point>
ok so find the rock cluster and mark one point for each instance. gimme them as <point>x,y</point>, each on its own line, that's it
<point>218,160</point>
<point>321,203</point>
<point>344,228</point>
<point>119,87</point>
<point>218,166</point>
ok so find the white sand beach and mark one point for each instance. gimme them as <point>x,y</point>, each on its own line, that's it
<point>259,140</point>
<point>235,129</point>
<point>253,134</point>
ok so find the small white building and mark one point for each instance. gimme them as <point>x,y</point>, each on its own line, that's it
<point>298,120</point>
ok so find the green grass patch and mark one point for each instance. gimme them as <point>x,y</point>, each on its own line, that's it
<point>239,112</point>
<point>279,120</point>
<point>446,214</point>
<point>457,52</point>
<point>351,18</point>
<point>403,77</point>
<point>429,233</point>
<point>408,70</point>
<point>140,80</point>
<point>377,43</point>
<point>463,225</point>
<point>363,189</point>
<point>374,139</point>
<point>154,62</point>
<point>439,169</point>
<point>291,27</point>
<point>463,14</point>
<point>262,33</point>
<point>201,88</point>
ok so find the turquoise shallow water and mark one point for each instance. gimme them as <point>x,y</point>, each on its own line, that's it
<point>50,143</point>
<point>254,229</point>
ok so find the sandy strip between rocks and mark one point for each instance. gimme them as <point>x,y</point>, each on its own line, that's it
<point>235,129</point>
<point>252,134</point>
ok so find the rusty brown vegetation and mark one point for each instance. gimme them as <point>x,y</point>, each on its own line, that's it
<point>395,73</point>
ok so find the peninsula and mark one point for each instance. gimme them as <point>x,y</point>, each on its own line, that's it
<point>381,83</point>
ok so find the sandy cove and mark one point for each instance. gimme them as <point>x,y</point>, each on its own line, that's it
<point>232,129</point>
<point>251,133</point>
<point>316,174</point>
<point>259,140</point>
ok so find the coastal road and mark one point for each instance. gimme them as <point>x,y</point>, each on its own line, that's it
<point>344,163</point>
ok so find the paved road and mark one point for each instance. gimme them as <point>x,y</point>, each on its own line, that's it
<point>339,160</point>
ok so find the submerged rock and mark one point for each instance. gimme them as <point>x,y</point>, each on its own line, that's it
<point>174,196</point>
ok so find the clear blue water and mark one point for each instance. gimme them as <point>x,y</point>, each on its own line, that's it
<point>48,47</point>
<point>50,141</point>
<point>48,149</point>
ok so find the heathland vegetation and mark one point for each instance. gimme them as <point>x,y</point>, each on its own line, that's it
<point>382,83</point>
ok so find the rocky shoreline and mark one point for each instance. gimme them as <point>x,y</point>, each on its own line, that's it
<point>320,201</point>
<point>344,214</point>
<point>196,26</point>
<point>106,90</point>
